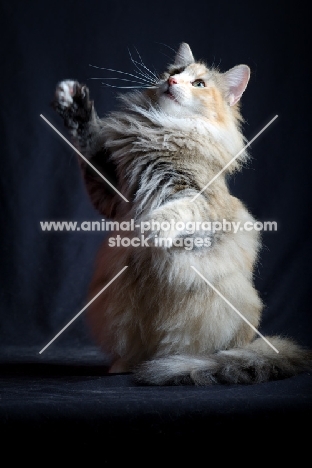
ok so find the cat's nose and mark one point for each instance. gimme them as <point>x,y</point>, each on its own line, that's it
<point>172,80</point>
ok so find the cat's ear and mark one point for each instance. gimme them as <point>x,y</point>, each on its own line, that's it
<point>184,56</point>
<point>236,80</point>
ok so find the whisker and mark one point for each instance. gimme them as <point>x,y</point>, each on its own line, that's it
<point>166,55</point>
<point>151,78</point>
<point>120,79</point>
<point>119,71</point>
<point>156,73</point>
<point>166,45</point>
<point>129,87</point>
<point>137,65</point>
<point>142,64</point>
<point>139,70</point>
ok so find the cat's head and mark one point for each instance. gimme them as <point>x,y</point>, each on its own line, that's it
<point>190,88</point>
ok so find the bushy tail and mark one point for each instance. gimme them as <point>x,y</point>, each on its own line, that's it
<point>254,363</point>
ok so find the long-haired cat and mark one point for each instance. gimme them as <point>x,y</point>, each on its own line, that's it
<point>171,316</point>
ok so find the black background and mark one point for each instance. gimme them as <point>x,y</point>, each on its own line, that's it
<point>44,276</point>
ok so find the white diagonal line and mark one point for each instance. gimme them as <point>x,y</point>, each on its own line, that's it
<point>97,295</point>
<point>237,311</point>
<point>85,159</point>
<point>235,157</point>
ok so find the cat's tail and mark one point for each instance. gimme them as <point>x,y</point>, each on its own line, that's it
<point>254,363</point>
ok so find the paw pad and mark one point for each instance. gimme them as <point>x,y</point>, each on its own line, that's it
<point>64,93</point>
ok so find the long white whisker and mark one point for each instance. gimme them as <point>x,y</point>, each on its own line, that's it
<point>166,55</point>
<point>166,45</point>
<point>149,71</point>
<point>118,71</point>
<point>129,87</point>
<point>139,71</point>
<point>120,79</point>
<point>154,80</point>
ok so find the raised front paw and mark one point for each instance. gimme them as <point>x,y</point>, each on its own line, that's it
<point>64,93</point>
<point>162,231</point>
<point>71,101</point>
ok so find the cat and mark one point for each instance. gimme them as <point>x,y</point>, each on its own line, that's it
<point>159,319</point>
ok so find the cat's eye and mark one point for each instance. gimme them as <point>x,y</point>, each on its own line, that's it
<point>199,84</point>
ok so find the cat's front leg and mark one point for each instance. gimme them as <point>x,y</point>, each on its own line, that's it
<point>177,222</point>
<point>72,102</point>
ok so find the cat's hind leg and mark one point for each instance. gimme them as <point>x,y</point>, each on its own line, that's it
<point>119,366</point>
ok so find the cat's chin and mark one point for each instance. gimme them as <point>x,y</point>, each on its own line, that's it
<point>171,105</point>
<point>170,96</point>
